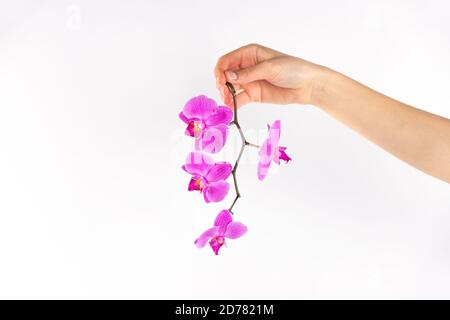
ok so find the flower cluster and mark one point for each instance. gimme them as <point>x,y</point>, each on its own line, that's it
<point>208,124</point>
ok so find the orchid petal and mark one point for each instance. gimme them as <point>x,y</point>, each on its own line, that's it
<point>276,158</point>
<point>263,170</point>
<point>200,107</point>
<point>235,230</point>
<point>223,219</point>
<point>214,138</point>
<point>205,196</point>
<point>196,184</point>
<point>201,241</point>
<point>190,130</point>
<point>216,191</point>
<point>184,118</point>
<point>283,155</point>
<point>198,144</point>
<point>198,163</point>
<point>221,115</point>
<point>216,243</point>
<point>219,171</point>
<point>266,152</point>
<point>274,133</point>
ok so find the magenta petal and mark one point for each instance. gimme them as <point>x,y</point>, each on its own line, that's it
<point>265,157</point>
<point>283,155</point>
<point>184,118</point>
<point>198,163</point>
<point>195,128</point>
<point>205,236</point>
<point>274,133</point>
<point>276,158</point>
<point>216,191</point>
<point>198,144</point>
<point>214,138</point>
<point>222,115</point>
<point>263,170</point>
<point>223,219</point>
<point>193,185</point>
<point>200,107</point>
<point>235,230</point>
<point>266,151</point>
<point>219,171</point>
<point>190,130</point>
<point>205,196</point>
<point>216,243</point>
<point>196,183</point>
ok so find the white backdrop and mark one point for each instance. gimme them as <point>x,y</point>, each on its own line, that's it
<point>93,203</point>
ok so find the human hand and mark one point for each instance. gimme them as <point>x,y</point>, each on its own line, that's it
<point>260,74</point>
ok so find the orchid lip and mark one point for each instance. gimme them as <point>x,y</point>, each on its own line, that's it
<point>195,128</point>
<point>197,184</point>
<point>282,155</point>
<point>216,243</point>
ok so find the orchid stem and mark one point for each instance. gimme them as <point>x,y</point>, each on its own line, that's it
<point>251,144</point>
<point>244,144</point>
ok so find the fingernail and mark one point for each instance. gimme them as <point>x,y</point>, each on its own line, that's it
<point>231,75</point>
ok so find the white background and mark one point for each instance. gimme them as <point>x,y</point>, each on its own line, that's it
<point>93,203</point>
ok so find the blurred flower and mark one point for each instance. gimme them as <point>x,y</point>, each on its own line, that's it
<point>270,151</point>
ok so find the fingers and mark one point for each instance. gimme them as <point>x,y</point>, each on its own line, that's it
<point>242,98</point>
<point>246,94</point>
<point>243,57</point>
<point>248,64</point>
<point>274,94</point>
<point>226,95</point>
<point>263,91</point>
<point>234,59</point>
<point>260,71</point>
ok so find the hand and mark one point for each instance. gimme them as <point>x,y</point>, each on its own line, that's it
<point>260,74</point>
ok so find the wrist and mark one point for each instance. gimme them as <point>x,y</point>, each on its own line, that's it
<point>321,86</point>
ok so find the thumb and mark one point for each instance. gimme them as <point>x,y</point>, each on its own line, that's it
<point>260,71</point>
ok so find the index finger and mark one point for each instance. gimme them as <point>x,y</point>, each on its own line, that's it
<point>242,57</point>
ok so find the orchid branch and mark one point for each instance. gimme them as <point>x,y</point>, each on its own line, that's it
<point>203,117</point>
<point>243,145</point>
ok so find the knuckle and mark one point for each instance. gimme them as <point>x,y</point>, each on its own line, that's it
<point>220,61</point>
<point>253,45</point>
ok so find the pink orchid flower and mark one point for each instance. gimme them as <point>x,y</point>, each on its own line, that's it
<point>208,176</point>
<point>207,123</point>
<point>270,151</point>
<point>224,227</point>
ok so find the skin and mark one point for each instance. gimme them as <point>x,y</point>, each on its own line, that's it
<point>261,74</point>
